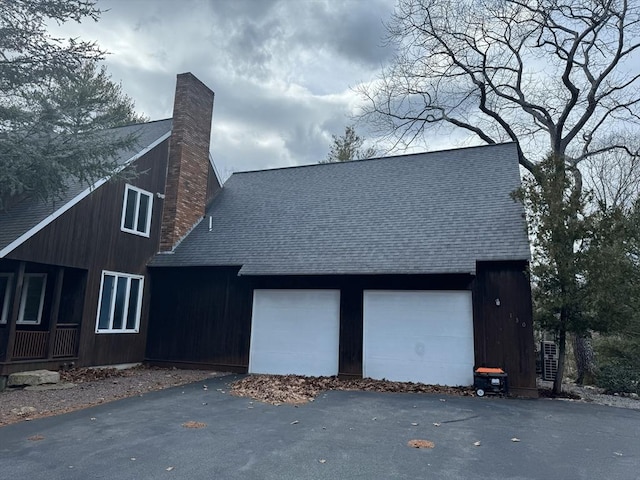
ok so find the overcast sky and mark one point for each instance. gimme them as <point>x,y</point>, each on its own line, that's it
<point>283,71</point>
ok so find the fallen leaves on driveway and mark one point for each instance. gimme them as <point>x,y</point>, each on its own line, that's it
<point>416,443</point>
<point>192,424</point>
<point>295,389</point>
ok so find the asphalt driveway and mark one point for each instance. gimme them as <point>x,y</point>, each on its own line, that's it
<point>341,435</point>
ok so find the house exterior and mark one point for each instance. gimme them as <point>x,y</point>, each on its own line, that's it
<point>74,286</point>
<point>408,268</point>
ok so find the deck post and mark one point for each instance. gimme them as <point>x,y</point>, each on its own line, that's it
<point>15,309</point>
<point>55,310</point>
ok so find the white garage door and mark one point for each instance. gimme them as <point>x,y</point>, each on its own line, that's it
<point>423,336</point>
<point>295,332</point>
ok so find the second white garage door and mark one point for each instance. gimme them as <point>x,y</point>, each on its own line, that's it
<point>295,332</point>
<point>419,336</point>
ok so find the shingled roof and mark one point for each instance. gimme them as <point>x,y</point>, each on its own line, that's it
<point>437,212</point>
<point>28,216</point>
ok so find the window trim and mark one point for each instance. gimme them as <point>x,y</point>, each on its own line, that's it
<point>129,277</point>
<point>4,312</point>
<point>23,299</point>
<point>136,214</point>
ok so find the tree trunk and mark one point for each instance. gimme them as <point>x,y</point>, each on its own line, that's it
<point>583,353</point>
<point>562,347</point>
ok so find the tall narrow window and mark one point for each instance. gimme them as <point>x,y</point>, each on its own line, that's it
<point>5,295</point>
<point>120,303</point>
<point>32,298</point>
<point>136,211</point>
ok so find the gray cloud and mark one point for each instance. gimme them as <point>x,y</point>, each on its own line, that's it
<point>281,69</point>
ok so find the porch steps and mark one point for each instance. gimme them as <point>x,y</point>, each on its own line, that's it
<point>35,377</point>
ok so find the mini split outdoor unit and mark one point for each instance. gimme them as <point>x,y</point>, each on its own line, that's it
<point>549,353</point>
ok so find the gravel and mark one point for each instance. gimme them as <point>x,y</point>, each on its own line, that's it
<point>82,388</point>
<point>590,394</point>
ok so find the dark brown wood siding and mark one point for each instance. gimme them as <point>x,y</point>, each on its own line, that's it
<point>88,237</point>
<point>201,316</point>
<point>351,331</point>
<point>503,326</point>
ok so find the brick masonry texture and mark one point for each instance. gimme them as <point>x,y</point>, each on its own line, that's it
<point>186,189</point>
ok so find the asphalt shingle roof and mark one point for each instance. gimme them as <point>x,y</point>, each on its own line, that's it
<point>435,212</point>
<point>22,217</point>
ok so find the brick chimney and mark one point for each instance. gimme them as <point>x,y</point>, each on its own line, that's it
<point>188,167</point>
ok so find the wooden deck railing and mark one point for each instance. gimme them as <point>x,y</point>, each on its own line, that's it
<point>30,344</point>
<point>35,344</point>
<point>66,341</point>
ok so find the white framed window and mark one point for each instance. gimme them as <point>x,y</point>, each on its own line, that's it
<point>32,298</point>
<point>136,211</point>
<point>5,295</point>
<point>120,303</point>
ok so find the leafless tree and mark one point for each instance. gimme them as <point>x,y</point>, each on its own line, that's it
<point>557,77</point>
<point>613,179</point>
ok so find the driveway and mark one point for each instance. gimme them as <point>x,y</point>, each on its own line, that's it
<point>341,435</point>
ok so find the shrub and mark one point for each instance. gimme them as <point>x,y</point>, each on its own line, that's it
<point>618,358</point>
<point>618,378</point>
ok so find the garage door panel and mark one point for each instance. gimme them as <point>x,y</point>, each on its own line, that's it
<point>295,332</point>
<point>419,336</point>
<point>435,375</point>
<point>279,363</point>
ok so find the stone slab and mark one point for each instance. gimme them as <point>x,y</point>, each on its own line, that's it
<point>36,377</point>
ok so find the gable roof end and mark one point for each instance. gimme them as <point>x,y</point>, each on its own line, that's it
<point>27,218</point>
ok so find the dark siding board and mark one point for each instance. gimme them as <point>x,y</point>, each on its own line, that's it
<point>89,234</point>
<point>504,333</point>
<point>351,324</point>
<point>366,282</point>
<point>200,315</point>
<point>7,266</point>
<point>73,288</point>
<point>203,315</point>
<point>4,337</point>
<point>30,365</point>
<point>88,237</point>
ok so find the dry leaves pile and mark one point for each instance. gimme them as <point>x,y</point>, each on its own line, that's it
<point>81,375</point>
<point>294,389</point>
